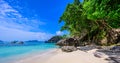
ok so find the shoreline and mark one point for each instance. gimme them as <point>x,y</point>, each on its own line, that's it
<point>57,56</point>
<point>39,57</point>
<point>30,57</point>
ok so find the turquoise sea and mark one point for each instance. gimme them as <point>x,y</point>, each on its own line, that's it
<point>9,53</point>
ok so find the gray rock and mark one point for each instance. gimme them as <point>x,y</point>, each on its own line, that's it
<point>68,48</point>
<point>115,59</point>
<point>116,48</point>
<point>61,42</point>
<point>68,42</point>
<point>100,55</point>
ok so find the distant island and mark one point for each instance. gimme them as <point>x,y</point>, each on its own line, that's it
<point>17,42</point>
<point>32,41</point>
<point>54,39</point>
<point>23,42</point>
<point>1,42</point>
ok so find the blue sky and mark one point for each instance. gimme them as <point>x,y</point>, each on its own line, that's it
<point>30,19</point>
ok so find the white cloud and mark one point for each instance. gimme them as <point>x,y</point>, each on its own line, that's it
<point>9,34</point>
<point>9,17</point>
<point>13,26</point>
<point>59,33</point>
<point>5,8</point>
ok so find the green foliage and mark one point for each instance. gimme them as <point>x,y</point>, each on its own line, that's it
<point>91,15</point>
<point>77,2</point>
<point>72,17</point>
<point>101,34</point>
<point>65,36</point>
<point>109,10</point>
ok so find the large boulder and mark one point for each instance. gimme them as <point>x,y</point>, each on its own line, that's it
<point>68,42</point>
<point>68,48</point>
<point>62,42</point>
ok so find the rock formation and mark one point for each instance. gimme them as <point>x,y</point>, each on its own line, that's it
<point>68,48</point>
<point>111,37</point>
<point>68,42</point>
<point>13,42</point>
<point>21,42</point>
<point>54,39</point>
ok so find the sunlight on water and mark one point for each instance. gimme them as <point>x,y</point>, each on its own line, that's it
<point>10,51</point>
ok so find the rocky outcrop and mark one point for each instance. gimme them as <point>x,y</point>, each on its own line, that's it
<point>115,48</point>
<point>21,42</point>
<point>54,39</point>
<point>13,42</point>
<point>68,42</point>
<point>68,48</point>
<point>17,42</point>
<point>61,42</point>
<point>113,36</point>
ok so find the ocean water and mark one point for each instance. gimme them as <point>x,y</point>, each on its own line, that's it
<point>9,53</point>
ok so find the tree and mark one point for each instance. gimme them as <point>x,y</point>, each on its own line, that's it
<point>73,19</point>
<point>105,15</point>
<point>96,18</point>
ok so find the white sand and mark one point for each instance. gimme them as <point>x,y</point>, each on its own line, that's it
<point>38,58</point>
<point>76,57</point>
<point>57,56</point>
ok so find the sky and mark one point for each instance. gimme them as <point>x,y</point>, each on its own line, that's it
<point>30,19</point>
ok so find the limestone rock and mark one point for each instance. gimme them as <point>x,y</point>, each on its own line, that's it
<point>68,48</point>
<point>68,42</point>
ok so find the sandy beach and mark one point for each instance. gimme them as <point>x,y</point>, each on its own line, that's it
<point>57,56</point>
<point>38,57</point>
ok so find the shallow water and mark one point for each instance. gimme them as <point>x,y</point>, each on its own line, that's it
<point>10,53</point>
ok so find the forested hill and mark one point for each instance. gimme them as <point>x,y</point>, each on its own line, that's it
<point>93,20</point>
